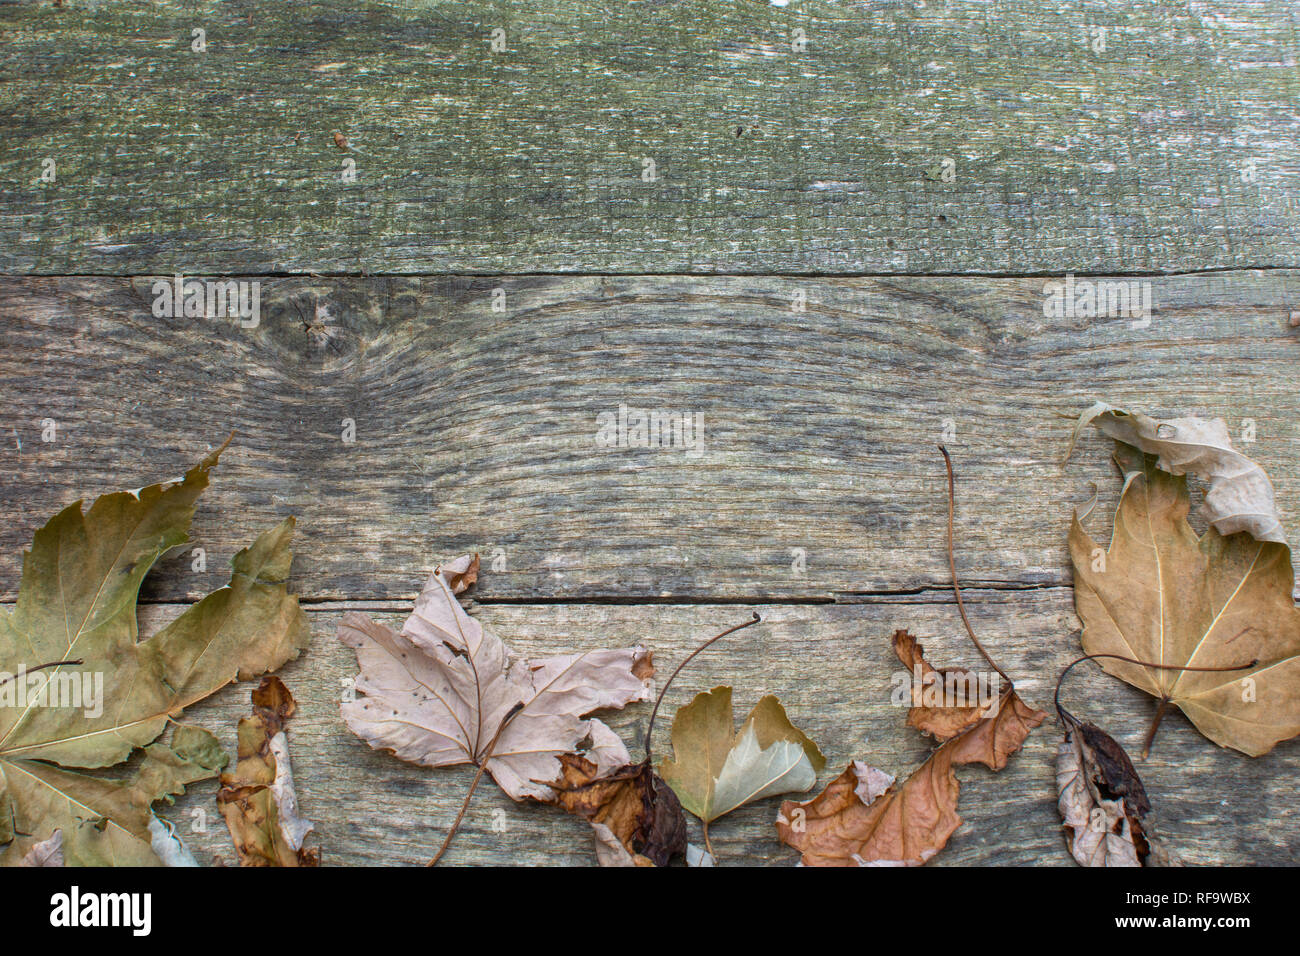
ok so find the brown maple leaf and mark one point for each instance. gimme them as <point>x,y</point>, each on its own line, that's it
<point>860,819</point>
<point>1213,616</point>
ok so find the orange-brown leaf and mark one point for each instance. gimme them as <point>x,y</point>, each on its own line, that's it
<point>847,825</point>
<point>944,702</point>
<point>633,802</point>
<point>993,740</point>
<point>853,823</point>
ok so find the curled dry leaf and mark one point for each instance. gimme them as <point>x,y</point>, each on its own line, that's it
<point>73,639</point>
<point>716,769</point>
<point>853,822</point>
<point>1240,496</point>
<point>1104,807</point>
<point>944,702</point>
<point>444,691</point>
<point>635,815</point>
<point>1161,594</point>
<point>630,806</point>
<point>258,798</point>
<point>863,818</point>
<point>988,733</point>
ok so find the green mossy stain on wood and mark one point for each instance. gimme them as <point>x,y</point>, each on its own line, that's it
<point>1170,149</point>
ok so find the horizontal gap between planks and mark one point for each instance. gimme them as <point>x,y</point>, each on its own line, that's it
<point>927,595</point>
<point>711,274</point>
<point>973,594</point>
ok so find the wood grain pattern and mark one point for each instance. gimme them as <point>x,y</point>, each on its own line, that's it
<point>1172,148</point>
<point>832,668</point>
<point>475,430</point>
<point>788,220</point>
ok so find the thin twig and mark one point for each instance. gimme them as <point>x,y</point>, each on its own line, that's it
<point>731,630</point>
<point>952,566</point>
<point>39,667</point>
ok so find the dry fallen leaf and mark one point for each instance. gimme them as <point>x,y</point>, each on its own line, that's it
<point>716,769</point>
<point>944,702</point>
<point>439,692</point>
<point>46,853</point>
<point>87,692</point>
<point>1240,496</point>
<point>443,691</point>
<point>1160,594</point>
<point>1104,807</point>
<point>635,815</point>
<point>863,818</point>
<point>258,798</point>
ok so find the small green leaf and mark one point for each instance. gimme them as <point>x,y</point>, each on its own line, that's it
<point>715,769</point>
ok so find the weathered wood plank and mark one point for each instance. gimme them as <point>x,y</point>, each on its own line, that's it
<point>832,667</point>
<point>477,430</point>
<point>805,138</point>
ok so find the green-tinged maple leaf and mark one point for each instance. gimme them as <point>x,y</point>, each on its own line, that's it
<point>77,602</point>
<point>714,769</point>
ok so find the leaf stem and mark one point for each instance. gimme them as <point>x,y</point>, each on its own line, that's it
<point>1155,725</point>
<point>952,566</point>
<point>707,845</point>
<point>1069,718</point>
<point>482,767</point>
<point>731,630</point>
